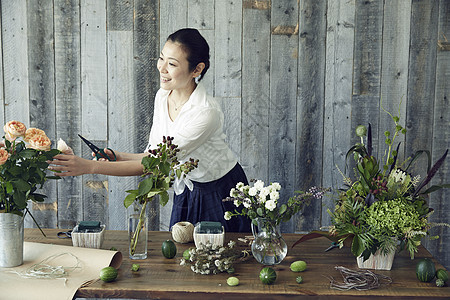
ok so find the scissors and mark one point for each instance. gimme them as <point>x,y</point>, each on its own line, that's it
<point>64,234</point>
<point>99,153</point>
<point>333,245</point>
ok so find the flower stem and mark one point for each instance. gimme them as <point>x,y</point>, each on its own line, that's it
<point>135,238</point>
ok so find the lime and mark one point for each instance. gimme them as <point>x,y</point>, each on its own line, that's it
<point>298,266</point>
<point>232,281</point>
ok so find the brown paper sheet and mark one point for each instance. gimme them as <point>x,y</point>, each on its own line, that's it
<point>13,286</point>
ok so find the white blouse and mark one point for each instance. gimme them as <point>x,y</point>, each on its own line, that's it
<point>198,132</point>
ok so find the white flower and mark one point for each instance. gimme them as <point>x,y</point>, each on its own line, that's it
<point>259,184</point>
<point>274,195</point>
<point>263,195</point>
<point>247,203</point>
<point>270,205</point>
<point>227,215</point>
<point>253,191</point>
<point>62,146</point>
<point>240,186</point>
<point>276,186</point>
<point>237,203</point>
<point>233,193</point>
<point>182,262</point>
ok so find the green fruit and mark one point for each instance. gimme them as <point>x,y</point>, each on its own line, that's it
<point>442,274</point>
<point>298,266</point>
<point>267,275</point>
<point>169,250</point>
<point>232,281</point>
<point>425,270</point>
<point>135,267</point>
<point>108,274</point>
<point>299,279</point>
<point>440,282</point>
<point>186,254</point>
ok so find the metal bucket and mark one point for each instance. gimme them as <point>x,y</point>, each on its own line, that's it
<point>11,240</point>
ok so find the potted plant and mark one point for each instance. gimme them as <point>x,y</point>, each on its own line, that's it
<point>385,209</point>
<point>23,163</point>
<point>161,167</point>
<point>260,204</point>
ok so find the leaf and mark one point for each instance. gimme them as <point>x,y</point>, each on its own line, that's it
<point>357,246</point>
<point>164,167</point>
<point>9,187</point>
<point>319,233</point>
<point>431,173</point>
<point>145,186</point>
<point>435,188</point>
<point>369,140</point>
<point>259,211</point>
<point>129,199</point>
<point>163,198</point>
<point>283,208</point>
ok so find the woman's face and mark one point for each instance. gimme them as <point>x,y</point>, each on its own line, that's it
<point>173,67</point>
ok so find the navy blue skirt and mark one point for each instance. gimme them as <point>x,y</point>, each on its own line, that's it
<point>204,202</point>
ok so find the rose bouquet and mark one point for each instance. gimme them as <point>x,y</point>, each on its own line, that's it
<point>24,156</point>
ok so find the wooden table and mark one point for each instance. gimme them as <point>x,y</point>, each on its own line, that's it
<point>163,278</point>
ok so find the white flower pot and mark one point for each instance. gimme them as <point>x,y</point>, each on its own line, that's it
<point>377,261</point>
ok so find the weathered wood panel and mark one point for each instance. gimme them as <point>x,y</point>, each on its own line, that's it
<point>367,67</point>
<point>2,98</point>
<point>15,63</point>
<point>41,95</point>
<point>146,53</point>
<point>283,98</point>
<point>68,104</point>
<point>310,107</point>
<point>394,76</point>
<point>441,140</point>
<point>228,49</point>
<point>255,89</point>
<point>338,94</point>
<point>421,79</point>
<point>291,95</point>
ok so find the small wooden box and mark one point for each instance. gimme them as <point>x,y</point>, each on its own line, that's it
<point>88,239</point>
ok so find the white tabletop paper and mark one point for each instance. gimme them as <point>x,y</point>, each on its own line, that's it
<point>91,261</point>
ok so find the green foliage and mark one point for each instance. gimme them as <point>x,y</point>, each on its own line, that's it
<point>385,204</point>
<point>161,167</point>
<point>22,174</point>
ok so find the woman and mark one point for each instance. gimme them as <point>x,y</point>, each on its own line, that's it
<point>185,112</point>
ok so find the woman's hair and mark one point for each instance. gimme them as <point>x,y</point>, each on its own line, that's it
<point>195,45</point>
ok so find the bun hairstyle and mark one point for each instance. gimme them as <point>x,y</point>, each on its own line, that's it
<point>195,45</point>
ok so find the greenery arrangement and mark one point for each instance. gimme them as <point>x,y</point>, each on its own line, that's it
<point>385,205</point>
<point>23,164</point>
<point>161,167</point>
<point>261,201</point>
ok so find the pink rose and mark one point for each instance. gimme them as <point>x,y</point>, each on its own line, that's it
<point>31,132</point>
<point>4,155</point>
<point>14,129</point>
<point>40,142</point>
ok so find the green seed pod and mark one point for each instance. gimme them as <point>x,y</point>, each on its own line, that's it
<point>361,130</point>
<point>396,119</point>
<point>299,279</point>
<point>387,133</point>
<point>439,282</point>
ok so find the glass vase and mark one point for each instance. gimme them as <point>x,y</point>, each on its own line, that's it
<point>268,247</point>
<point>138,230</point>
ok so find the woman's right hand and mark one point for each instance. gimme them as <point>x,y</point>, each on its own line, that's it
<point>109,153</point>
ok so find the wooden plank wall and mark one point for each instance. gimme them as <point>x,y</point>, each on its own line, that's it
<point>294,78</point>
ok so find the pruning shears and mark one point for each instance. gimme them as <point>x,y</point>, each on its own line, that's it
<point>99,153</point>
<point>333,245</point>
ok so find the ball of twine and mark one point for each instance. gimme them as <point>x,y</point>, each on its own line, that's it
<point>183,232</point>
